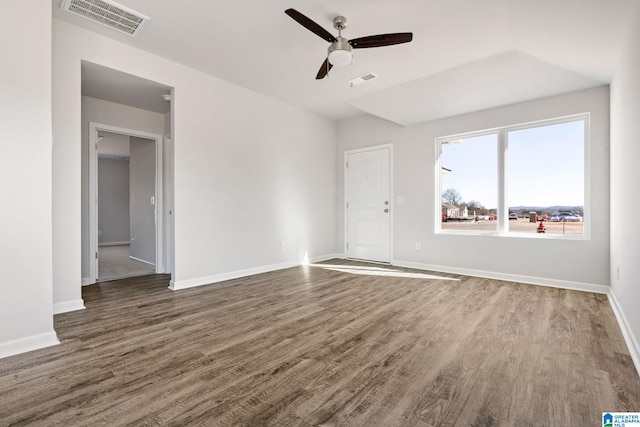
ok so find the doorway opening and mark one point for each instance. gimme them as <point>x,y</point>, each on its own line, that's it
<point>126,218</point>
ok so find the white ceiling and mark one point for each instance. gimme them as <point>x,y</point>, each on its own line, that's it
<point>465,55</point>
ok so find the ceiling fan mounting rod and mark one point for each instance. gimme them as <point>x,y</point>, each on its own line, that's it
<point>339,23</point>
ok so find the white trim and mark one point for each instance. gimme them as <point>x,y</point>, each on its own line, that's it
<point>627,333</point>
<point>159,204</point>
<point>93,202</point>
<point>208,280</point>
<point>93,193</point>
<point>392,205</point>
<point>67,306</point>
<point>216,278</point>
<point>168,205</point>
<point>530,280</point>
<point>141,260</point>
<point>124,242</point>
<point>33,342</point>
<point>586,209</point>
<point>86,281</point>
<point>327,257</point>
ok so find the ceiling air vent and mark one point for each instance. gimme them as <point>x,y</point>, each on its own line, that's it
<point>109,14</point>
<point>362,79</point>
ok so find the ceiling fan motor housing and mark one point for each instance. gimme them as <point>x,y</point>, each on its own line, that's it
<point>340,52</point>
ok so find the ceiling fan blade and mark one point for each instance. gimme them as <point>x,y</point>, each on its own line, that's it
<point>310,25</point>
<point>381,40</point>
<point>324,69</point>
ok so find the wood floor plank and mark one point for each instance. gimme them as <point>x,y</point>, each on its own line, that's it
<point>337,343</point>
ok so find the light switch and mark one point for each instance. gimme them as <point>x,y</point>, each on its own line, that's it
<point>153,200</point>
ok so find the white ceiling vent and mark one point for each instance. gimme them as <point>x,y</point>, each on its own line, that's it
<point>109,14</point>
<point>362,79</point>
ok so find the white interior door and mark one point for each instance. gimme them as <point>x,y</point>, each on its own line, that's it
<point>368,205</point>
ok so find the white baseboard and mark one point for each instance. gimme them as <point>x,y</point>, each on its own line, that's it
<point>627,333</point>
<point>554,283</point>
<point>207,280</point>
<point>216,278</point>
<point>124,242</point>
<point>66,306</point>
<point>141,260</point>
<point>33,342</point>
<point>85,281</point>
<point>326,258</point>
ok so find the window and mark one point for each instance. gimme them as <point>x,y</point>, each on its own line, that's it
<point>520,180</point>
<point>469,183</point>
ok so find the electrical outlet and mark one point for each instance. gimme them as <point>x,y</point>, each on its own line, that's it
<point>418,245</point>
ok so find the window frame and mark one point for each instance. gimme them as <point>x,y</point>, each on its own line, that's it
<point>502,151</point>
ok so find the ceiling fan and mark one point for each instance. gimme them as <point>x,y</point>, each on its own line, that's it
<point>340,49</point>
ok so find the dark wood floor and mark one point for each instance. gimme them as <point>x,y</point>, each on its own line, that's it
<point>323,346</point>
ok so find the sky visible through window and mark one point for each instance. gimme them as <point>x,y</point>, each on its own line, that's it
<point>473,163</point>
<point>545,167</point>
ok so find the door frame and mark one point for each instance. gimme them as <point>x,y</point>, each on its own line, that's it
<point>168,204</point>
<point>391,198</point>
<point>94,128</point>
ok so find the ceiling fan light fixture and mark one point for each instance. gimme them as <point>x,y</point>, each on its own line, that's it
<point>340,57</point>
<point>340,52</point>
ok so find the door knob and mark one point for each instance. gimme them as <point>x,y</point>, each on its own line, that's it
<point>386,210</point>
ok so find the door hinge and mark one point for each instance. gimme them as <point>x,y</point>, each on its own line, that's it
<point>347,165</point>
<point>347,245</point>
<point>347,205</point>
<point>96,255</point>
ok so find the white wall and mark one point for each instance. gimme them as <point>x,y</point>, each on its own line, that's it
<point>107,113</point>
<point>113,200</point>
<point>26,314</point>
<point>625,176</point>
<point>549,261</point>
<point>250,172</point>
